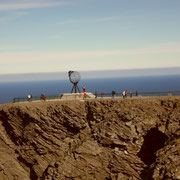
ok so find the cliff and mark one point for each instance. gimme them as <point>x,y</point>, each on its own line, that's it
<point>106,139</point>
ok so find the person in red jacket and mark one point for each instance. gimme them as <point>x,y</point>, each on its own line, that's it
<point>84,95</point>
<point>102,94</point>
<point>44,97</point>
<point>126,93</point>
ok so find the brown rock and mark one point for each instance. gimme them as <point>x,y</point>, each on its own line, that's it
<point>137,138</point>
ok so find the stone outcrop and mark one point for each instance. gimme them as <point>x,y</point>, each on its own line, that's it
<point>104,139</point>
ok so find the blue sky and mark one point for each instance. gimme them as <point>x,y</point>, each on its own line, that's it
<point>87,35</point>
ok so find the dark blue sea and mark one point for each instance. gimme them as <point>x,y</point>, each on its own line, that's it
<point>154,85</point>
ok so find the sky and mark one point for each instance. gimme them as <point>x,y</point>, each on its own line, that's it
<point>88,35</point>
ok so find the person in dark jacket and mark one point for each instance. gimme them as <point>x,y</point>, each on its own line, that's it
<point>113,93</point>
<point>136,93</point>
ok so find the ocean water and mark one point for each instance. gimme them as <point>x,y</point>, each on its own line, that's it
<point>152,85</point>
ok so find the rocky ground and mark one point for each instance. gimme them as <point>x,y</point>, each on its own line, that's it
<point>104,139</point>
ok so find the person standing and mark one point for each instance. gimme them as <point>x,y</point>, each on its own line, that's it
<point>84,88</point>
<point>130,93</point>
<point>136,93</point>
<point>84,95</point>
<point>102,94</point>
<point>44,97</point>
<point>41,97</point>
<point>29,97</point>
<point>113,93</point>
<point>124,94</point>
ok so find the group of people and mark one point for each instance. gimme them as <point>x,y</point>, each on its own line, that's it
<point>42,97</point>
<point>124,93</point>
<point>96,94</point>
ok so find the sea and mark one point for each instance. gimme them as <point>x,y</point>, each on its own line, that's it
<point>146,86</point>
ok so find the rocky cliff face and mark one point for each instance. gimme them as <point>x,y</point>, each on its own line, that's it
<point>108,139</point>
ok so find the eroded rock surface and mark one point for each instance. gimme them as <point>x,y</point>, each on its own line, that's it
<point>108,139</point>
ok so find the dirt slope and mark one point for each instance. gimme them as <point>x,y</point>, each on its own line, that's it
<point>108,139</point>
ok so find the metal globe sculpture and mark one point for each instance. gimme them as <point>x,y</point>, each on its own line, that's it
<point>74,78</point>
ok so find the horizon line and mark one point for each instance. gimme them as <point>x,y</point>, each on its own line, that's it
<point>86,71</point>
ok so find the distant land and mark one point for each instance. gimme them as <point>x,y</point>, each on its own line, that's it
<point>89,74</point>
